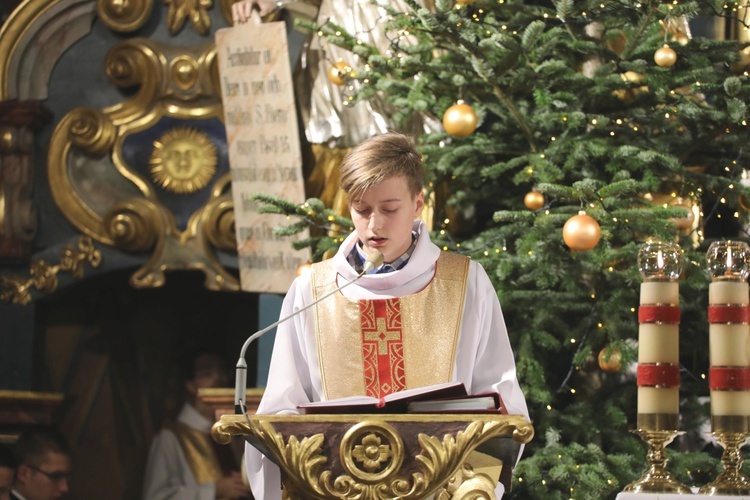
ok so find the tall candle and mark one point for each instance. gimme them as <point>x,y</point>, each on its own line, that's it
<point>658,336</point>
<point>729,333</point>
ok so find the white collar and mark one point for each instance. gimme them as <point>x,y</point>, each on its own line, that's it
<point>422,260</point>
<point>193,419</point>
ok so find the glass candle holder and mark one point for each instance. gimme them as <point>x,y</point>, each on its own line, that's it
<point>660,261</point>
<point>728,260</point>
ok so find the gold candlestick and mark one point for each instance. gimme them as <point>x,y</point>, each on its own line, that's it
<point>732,433</point>
<point>657,478</point>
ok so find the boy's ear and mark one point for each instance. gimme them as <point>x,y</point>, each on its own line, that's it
<point>420,204</point>
<point>191,387</point>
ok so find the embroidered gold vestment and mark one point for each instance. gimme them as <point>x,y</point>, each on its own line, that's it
<point>377,347</point>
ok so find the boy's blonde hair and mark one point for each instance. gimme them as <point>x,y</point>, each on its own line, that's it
<point>379,158</point>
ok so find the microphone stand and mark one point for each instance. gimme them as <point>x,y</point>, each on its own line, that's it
<point>373,261</point>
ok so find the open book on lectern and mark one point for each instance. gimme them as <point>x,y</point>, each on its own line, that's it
<point>450,397</point>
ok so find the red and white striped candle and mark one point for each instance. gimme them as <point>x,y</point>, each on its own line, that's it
<point>729,335</point>
<point>660,265</point>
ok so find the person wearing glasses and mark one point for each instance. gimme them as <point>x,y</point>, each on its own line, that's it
<point>44,464</point>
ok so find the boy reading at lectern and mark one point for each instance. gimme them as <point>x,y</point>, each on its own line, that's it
<point>423,317</point>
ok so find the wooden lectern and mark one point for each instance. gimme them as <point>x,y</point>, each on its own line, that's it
<point>380,456</point>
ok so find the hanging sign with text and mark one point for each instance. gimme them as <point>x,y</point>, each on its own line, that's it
<point>264,150</point>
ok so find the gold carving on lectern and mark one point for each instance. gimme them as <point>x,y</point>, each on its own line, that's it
<point>468,484</point>
<point>372,455</point>
<point>373,446</point>
<point>183,160</point>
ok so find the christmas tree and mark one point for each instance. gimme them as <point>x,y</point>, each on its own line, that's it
<point>572,133</point>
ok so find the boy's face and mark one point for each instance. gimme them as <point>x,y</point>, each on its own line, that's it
<point>383,217</point>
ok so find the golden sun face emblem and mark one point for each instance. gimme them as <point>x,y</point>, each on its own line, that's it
<point>183,160</point>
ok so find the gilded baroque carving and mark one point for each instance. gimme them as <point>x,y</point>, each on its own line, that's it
<point>124,15</point>
<point>144,174</point>
<point>195,10</point>
<point>134,225</point>
<point>371,451</point>
<point>468,485</point>
<point>44,276</point>
<point>183,160</point>
<point>372,454</point>
<point>91,131</point>
<point>219,221</point>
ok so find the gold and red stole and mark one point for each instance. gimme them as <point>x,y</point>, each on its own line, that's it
<point>377,347</point>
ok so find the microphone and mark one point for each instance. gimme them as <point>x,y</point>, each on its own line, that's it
<point>374,261</point>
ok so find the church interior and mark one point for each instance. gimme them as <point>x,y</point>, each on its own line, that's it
<point>115,268</point>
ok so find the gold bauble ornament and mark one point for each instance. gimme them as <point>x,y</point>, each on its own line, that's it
<point>611,364</point>
<point>337,72</point>
<point>581,232</point>
<point>665,56</point>
<point>745,203</point>
<point>460,120</point>
<point>534,200</point>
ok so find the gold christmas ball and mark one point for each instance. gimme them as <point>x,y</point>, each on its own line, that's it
<point>534,200</point>
<point>665,56</point>
<point>337,72</point>
<point>744,203</point>
<point>611,364</point>
<point>581,232</point>
<point>460,120</point>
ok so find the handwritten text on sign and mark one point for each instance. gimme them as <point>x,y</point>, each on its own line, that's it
<point>264,150</point>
